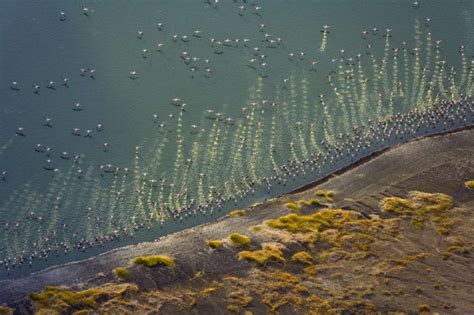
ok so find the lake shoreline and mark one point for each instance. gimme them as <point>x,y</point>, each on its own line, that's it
<point>92,270</point>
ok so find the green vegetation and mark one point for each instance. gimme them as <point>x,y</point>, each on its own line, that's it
<point>397,205</point>
<point>311,223</point>
<point>53,300</point>
<point>236,213</point>
<point>233,308</point>
<point>459,250</point>
<point>294,223</point>
<point>273,288</point>
<point>302,257</point>
<point>343,239</point>
<point>293,207</point>
<point>209,290</point>
<point>122,273</point>
<point>469,184</point>
<point>154,260</point>
<point>418,202</point>
<point>421,206</point>
<point>313,202</point>
<point>239,240</point>
<point>296,207</point>
<point>423,308</point>
<point>262,256</point>
<point>215,244</point>
<point>5,310</point>
<point>404,261</point>
<point>328,195</point>
<point>237,300</point>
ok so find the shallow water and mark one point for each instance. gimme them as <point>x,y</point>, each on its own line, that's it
<point>170,162</point>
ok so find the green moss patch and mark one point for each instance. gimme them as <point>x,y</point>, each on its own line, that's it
<point>469,184</point>
<point>293,206</point>
<point>122,273</point>
<point>154,260</point>
<point>5,310</point>
<point>269,252</point>
<point>328,195</point>
<point>420,207</point>
<point>313,203</point>
<point>302,257</point>
<point>215,244</point>
<point>238,240</point>
<point>60,300</point>
<point>327,218</point>
<point>237,213</point>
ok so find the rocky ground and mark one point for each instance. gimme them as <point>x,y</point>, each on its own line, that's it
<point>394,234</point>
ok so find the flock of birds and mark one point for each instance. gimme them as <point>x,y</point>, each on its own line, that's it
<point>370,101</point>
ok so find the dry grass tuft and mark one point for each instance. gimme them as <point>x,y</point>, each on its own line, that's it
<point>5,310</point>
<point>122,273</point>
<point>154,260</point>
<point>238,240</point>
<point>469,184</point>
<point>53,300</point>
<point>328,195</point>
<point>422,206</point>
<point>237,213</point>
<point>293,206</point>
<point>302,257</point>
<point>215,244</point>
<point>269,252</point>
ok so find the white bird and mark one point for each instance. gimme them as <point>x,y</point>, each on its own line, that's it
<point>14,86</point>
<point>159,46</point>
<point>77,107</point>
<point>85,11</point>
<point>176,101</point>
<point>20,131</point>
<point>133,75</point>
<point>36,88</point>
